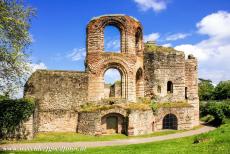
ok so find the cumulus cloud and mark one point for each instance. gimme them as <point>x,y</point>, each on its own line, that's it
<point>213,53</point>
<point>151,37</point>
<point>155,5</point>
<point>177,36</point>
<point>112,75</point>
<point>77,54</point>
<point>215,25</point>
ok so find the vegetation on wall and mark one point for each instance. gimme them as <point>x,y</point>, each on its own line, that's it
<point>13,112</point>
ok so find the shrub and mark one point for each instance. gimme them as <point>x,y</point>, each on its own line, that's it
<point>13,112</point>
<point>219,110</point>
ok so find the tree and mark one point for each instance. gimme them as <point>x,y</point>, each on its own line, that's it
<point>222,90</point>
<point>206,89</point>
<point>15,21</point>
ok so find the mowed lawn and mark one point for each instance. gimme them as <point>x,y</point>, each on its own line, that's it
<point>217,141</point>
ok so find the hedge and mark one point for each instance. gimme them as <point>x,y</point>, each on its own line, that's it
<point>13,112</point>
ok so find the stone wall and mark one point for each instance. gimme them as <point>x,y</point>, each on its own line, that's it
<point>191,83</point>
<point>141,122</point>
<point>161,67</point>
<point>92,123</point>
<point>58,94</point>
<point>185,117</point>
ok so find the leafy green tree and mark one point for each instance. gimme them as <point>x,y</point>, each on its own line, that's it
<point>206,89</point>
<point>15,21</point>
<point>222,90</point>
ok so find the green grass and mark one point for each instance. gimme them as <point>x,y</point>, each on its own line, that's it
<point>217,141</point>
<point>74,137</point>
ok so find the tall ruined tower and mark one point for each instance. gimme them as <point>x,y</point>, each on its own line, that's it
<point>129,61</point>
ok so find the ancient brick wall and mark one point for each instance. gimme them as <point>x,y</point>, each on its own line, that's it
<point>140,122</point>
<point>58,94</point>
<point>128,61</point>
<point>160,67</point>
<point>191,84</point>
<point>185,117</point>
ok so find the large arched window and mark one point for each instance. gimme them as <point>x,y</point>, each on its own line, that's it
<point>170,122</point>
<point>169,87</point>
<point>112,83</point>
<point>112,39</point>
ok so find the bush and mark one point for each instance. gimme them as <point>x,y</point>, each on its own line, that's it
<point>218,109</point>
<point>13,112</point>
<point>222,90</point>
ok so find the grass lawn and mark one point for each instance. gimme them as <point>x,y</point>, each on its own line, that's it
<point>74,137</point>
<point>217,141</point>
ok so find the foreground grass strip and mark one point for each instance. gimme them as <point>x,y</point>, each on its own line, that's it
<point>217,141</point>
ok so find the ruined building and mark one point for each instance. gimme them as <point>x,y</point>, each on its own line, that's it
<point>158,88</point>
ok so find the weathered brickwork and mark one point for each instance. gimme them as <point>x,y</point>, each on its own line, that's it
<point>147,70</point>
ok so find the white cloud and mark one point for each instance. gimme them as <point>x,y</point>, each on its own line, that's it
<point>215,25</point>
<point>155,5</point>
<point>35,67</point>
<point>167,45</point>
<point>213,53</point>
<point>193,49</point>
<point>112,75</point>
<point>177,36</point>
<point>77,54</point>
<point>151,37</point>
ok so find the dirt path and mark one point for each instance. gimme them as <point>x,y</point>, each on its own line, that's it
<point>69,145</point>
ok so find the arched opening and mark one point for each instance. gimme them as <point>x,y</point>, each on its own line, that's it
<point>113,123</point>
<point>186,93</point>
<point>112,83</point>
<point>139,83</point>
<point>169,87</point>
<point>153,126</point>
<point>138,40</point>
<point>112,39</point>
<point>170,122</point>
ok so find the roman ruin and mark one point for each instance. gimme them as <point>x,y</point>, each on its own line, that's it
<point>158,88</point>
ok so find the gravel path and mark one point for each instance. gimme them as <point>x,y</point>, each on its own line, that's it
<point>82,145</point>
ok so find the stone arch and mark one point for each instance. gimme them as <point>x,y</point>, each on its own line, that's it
<point>95,32</point>
<point>123,73</point>
<point>170,121</point>
<point>139,83</point>
<point>127,26</point>
<point>113,123</point>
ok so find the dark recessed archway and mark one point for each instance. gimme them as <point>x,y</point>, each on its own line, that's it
<point>170,122</point>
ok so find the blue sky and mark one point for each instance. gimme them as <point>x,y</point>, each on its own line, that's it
<point>196,26</point>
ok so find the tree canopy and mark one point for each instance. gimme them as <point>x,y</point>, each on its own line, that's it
<point>206,89</point>
<point>15,19</point>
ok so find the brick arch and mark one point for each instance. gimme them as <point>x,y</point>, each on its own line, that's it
<point>123,72</point>
<point>125,24</point>
<point>140,82</point>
